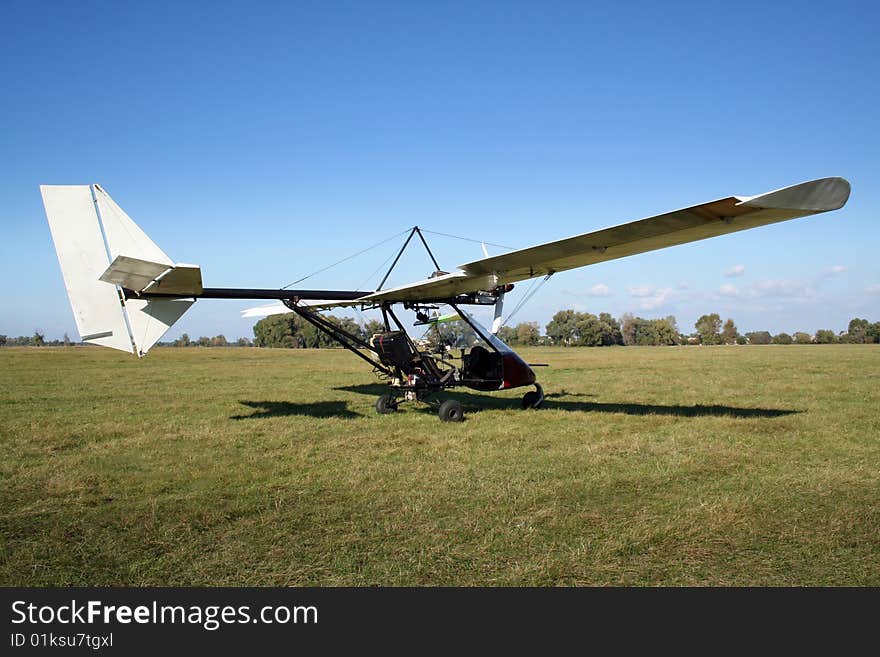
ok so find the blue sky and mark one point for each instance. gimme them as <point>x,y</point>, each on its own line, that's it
<point>264,141</point>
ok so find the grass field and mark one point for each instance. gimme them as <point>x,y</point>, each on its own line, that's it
<point>648,466</point>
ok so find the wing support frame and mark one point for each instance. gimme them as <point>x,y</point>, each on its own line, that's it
<point>339,335</point>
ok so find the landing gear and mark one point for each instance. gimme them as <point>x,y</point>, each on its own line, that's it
<point>533,398</point>
<point>386,404</point>
<point>451,411</point>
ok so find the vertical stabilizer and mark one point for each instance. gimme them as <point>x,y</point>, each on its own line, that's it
<point>82,254</point>
<point>100,250</point>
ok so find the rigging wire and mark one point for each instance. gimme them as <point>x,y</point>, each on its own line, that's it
<point>467,239</point>
<point>354,255</point>
<point>520,303</point>
<point>377,270</point>
<point>533,289</point>
<point>388,239</point>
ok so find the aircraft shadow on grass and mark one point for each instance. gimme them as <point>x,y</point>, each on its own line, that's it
<point>474,403</point>
<point>324,409</point>
<point>562,401</point>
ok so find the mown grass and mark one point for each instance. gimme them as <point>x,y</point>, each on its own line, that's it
<point>649,466</point>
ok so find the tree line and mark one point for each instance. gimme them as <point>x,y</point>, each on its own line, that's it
<point>572,329</point>
<point>39,340</point>
<point>568,328</point>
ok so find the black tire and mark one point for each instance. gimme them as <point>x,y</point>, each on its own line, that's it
<point>386,404</point>
<point>451,411</point>
<point>530,399</point>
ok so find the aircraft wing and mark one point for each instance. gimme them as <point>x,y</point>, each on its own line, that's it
<point>720,217</point>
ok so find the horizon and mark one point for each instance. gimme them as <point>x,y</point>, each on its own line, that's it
<point>272,141</point>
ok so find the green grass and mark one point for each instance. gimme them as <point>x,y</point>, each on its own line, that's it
<point>648,466</point>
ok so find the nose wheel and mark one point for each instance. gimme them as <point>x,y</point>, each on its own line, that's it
<point>533,398</point>
<point>451,411</point>
<point>386,404</point>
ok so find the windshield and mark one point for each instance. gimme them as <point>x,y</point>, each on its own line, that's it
<point>451,331</point>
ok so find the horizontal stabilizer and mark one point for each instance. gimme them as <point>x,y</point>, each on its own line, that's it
<point>181,280</point>
<point>133,273</point>
<point>154,277</point>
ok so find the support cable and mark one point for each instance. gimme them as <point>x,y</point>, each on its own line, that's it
<point>354,255</point>
<point>467,239</point>
<point>533,289</point>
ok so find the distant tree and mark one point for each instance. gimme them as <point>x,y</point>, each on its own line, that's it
<point>650,332</point>
<point>572,328</point>
<point>802,338</point>
<point>204,341</point>
<point>872,334</point>
<point>858,330</point>
<point>348,325</point>
<point>782,338</point>
<point>456,334</point>
<point>741,339</point>
<point>614,325</point>
<point>628,325</point>
<point>590,332</point>
<point>759,337</point>
<point>273,330</point>
<point>825,336</point>
<point>373,326</point>
<point>219,341</point>
<point>709,327</point>
<point>527,333</point>
<point>244,342</point>
<point>561,328</point>
<point>508,335</point>
<point>38,339</point>
<point>646,332</point>
<point>2,340</point>
<point>182,341</point>
<point>667,331</point>
<point>66,340</point>
<point>729,332</point>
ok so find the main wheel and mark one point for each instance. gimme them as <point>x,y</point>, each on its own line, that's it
<point>451,411</point>
<point>386,404</point>
<point>531,399</point>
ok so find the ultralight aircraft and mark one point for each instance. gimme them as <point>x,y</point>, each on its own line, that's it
<point>126,292</point>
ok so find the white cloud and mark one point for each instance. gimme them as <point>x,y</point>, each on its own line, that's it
<point>656,299</point>
<point>600,290</point>
<point>783,289</point>
<point>736,270</point>
<point>836,269</point>
<point>684,285</point>
<point>873,289</point>
<point>641,290</point>
<point>728,290</point>
<point>775,291</point>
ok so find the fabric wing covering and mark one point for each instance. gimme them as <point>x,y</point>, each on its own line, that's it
<point>727,215</point>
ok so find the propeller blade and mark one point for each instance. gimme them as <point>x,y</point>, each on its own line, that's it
<point>496,321</point>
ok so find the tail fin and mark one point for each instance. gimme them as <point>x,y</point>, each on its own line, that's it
<point>101,250</point>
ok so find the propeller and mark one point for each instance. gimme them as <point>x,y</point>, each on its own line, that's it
<point>499,302</point>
